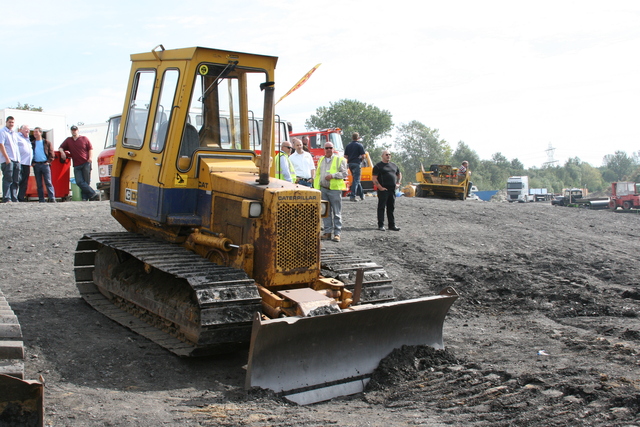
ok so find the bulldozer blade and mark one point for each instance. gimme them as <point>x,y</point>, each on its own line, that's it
<point>312,359</point>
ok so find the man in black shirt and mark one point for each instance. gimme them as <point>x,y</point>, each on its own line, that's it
<point>354,151</point>
<point>387,178</point>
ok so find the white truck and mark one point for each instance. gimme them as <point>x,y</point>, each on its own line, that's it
<point>518,189</point>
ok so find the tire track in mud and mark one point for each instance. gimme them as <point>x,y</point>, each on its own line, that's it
<point>460,393</point>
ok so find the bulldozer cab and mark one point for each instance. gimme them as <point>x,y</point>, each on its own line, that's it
<point>184,105</point>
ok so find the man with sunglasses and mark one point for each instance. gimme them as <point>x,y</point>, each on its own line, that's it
<point>387,178</point>
<point>284,167</point>
<point>330,175</point>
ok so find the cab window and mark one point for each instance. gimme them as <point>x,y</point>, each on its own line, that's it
<point>139,105</point>
<point>220,93</point>
<point>164,109</point>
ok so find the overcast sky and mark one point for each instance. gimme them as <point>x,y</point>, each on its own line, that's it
<point>502,76</point>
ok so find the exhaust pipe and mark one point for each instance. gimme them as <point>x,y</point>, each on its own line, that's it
<point>267,131</point>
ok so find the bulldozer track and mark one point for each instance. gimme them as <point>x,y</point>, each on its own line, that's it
<point>224,298</point>
<point>216,319</point>
<point>11,344</point>
<point>376,287</point>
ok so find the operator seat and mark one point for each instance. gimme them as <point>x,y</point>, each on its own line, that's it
<point>190,141</point>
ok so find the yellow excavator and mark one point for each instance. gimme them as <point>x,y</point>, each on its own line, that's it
<point>219,255</point>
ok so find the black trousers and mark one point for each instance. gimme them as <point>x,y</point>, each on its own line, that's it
<point>387,200</point>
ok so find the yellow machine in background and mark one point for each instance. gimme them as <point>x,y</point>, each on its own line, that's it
<point>366,176</point>
<point>218,254</point>
<point>442,181</point>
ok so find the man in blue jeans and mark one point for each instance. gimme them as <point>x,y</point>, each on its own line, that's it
<point>354,152</point>
<point>81,152</point>
<point>10,158</point>
<point>43,155</point>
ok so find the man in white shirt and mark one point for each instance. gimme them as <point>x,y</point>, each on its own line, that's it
<point>10,158</point>
<point>303,164</point>
<point>26,155</point>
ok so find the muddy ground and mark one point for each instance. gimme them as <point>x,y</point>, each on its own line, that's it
<point>546,330</point>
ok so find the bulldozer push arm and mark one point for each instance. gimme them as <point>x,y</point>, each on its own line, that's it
<point>218,254</point>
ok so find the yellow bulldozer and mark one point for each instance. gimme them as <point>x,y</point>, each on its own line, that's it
<point>442,181</point>
<point>218,255</point>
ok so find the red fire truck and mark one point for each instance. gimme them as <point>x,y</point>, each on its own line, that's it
<point>317,139</point>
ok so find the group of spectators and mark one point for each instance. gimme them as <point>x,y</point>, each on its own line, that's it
<point>19,152</point>
<point>329,177</point>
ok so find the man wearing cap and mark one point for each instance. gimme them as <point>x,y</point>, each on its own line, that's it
<point>10,158</point>
<point>81,152</point>
<point>330,175</point>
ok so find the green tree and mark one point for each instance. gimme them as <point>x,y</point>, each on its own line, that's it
<point>420,146</point>
<point>571,173</point>
<point>620,164</point>
<point>493,174</point>
<point>592,178</point>
<point>634,176</point>
<point>545,178</point>
<point>462,153</point>
<point>351,116</point>
<point>501,161</point>
<point>28,107</point>
<point>517,168</point>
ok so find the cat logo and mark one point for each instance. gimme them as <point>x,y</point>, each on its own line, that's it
<point>131,196</point>
<point>180,180</point>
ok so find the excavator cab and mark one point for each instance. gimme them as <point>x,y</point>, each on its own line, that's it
<point>218,254</point>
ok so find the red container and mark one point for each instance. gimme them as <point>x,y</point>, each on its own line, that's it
<point>60,174</point>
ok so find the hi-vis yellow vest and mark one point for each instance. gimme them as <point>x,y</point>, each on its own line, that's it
<point>334,184</point>
<point>292,169</point>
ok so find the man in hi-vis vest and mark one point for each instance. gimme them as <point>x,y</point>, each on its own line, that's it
<point>284,167</point>
<point>330,175</point>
